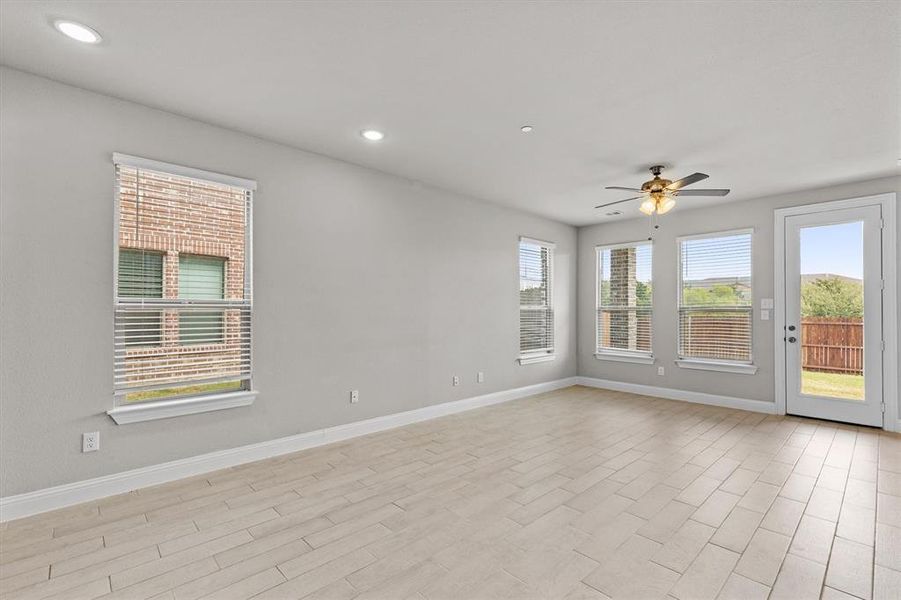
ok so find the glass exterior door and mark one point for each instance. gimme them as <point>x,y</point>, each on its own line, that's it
<point>833,330</point>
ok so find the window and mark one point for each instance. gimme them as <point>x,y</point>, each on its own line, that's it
<point>536,313</point>
<point>183,284</point>
<point>624,305</point>
<point>715,305</point>
<point>141,276</point>
<point>201,278</point>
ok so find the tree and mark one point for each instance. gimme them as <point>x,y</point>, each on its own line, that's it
<point>717,295</point>
<point>642,293</point>
<point>832,297</point>
<point>533,296</point>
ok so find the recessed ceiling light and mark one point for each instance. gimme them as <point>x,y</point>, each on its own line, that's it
<point>77,31</point>
<point>526,129</point>
<point>373,135</point>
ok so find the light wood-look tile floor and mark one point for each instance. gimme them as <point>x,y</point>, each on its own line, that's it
<point>579,493</point>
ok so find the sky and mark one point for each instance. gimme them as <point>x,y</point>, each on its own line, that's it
<point>713,257</point>
<point>836,249</point>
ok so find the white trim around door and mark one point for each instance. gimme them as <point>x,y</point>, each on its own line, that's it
<point>887,202</point>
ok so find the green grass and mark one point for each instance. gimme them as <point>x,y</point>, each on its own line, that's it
<point>834,385</point>
<point>187,390</point>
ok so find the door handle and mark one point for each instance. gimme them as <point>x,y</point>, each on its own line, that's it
<point>791,327</point>
<point>792,340</point>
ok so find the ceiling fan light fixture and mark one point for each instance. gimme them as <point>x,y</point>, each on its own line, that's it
<point>665,204</point>
<point>658,196</point>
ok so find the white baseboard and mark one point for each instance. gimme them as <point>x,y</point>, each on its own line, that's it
<point>31,503</point>
<point>684,395</point>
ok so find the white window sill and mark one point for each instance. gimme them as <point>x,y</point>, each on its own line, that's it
<point>641,359</point>
<point>163,409</point>
<point>536,358</point>
<point>720,366</point>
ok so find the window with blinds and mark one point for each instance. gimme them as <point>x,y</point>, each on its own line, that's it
<point>624,308</point>
<point>183,283</point>
<point>536,312</point>
<point>201,278</point>
<point>715,302</point>
<point>141,276</point>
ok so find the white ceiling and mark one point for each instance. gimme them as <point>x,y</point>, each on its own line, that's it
<point>765,97</point>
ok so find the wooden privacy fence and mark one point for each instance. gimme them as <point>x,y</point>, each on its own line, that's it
<point>828,344</point>
<point>832,344</point>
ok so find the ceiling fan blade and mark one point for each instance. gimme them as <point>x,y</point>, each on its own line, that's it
<point>614,187</point>
<point>703,192</point>
<point>681,183</point>
<point>617,202</point>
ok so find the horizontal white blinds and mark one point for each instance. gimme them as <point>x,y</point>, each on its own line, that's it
<point>715,297</point>
<point>146,164</point>
<point>624,308</point>
<point>183,298</point>
<point>536,313</point>
<point>159,345</point>
<point>140,274</point>
<point>201,277</point>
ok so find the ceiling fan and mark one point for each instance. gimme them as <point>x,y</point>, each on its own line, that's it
<point>659,194</point>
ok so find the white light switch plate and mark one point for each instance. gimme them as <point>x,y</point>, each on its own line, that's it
<point>764,315</point>
<point>767,304</point>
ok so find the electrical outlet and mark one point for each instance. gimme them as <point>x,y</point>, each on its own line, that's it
<point>354,396</point>
<point>661,371</point>
<point>90,442</point>
<point>480,377</point>
<point>456,380</point>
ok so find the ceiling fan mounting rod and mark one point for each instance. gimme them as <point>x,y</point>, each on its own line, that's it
<point>656,170</point>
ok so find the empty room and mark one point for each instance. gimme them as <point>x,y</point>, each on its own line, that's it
<point>450,300</point>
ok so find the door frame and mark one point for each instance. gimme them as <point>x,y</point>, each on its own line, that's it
<point>889,297</point>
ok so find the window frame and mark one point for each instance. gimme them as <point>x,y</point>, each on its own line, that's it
<point>547,353</point>
<point>124,413</point>
<point>614,354</point>
<point>744,367</point>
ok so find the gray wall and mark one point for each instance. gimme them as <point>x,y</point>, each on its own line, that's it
<point>754,213</point>
<point>362,281</point>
